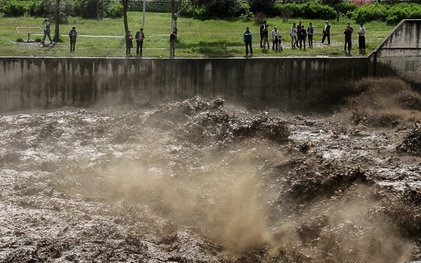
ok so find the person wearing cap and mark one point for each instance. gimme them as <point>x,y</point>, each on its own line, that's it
<point>73,36</point>
<point>46,31</point>
<point>326,33</point>
<point>129,42</point>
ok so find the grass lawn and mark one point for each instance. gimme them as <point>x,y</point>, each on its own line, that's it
<point>196,38</point>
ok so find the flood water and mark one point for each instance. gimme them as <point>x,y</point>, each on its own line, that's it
<point>201,180</point>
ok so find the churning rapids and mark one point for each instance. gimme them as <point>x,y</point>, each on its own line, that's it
<point>204,181</point>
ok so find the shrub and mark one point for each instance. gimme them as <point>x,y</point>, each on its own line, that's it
<point>246,14</point>
<point>16,8</point>
<point>308,10</point>
<point>368,13</point>
<point>348,8</point>
<point>197,12</point>
<point>113,10</point>
<point>390,13</point>
<point>265,6</point>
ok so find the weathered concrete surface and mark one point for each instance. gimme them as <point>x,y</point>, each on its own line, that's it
<point>401,52</point>
<point>287,82</point>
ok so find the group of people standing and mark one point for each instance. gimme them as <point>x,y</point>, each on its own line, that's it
<point>300,36</point>
<point>139,37</point>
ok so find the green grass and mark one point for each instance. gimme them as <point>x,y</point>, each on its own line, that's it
<point>196,38</point>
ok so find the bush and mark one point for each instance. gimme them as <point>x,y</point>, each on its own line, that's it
<point>265,6</point>
<point>197,13</point>
<point>113,10</point>
<point>15,8</point>
<point>223,8</point>
<point>401,11</point>
<point>308,10</point>
<point>246,14</point>
<point>348,8</point>
<point>372,12</point>
<point>392,14</point>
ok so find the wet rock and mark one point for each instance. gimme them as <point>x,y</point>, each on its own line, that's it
<point>412,142</point>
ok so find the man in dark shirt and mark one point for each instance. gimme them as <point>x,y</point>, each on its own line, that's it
<point>248,38</point>
<point>348,35</point>
<point>140,36</point>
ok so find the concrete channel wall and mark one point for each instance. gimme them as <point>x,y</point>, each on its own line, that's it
<point>400,53</point>
<point>286,82</point>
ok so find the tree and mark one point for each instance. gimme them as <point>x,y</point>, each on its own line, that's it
<point>177,7</point>
<point>264,6</point>
<point>57,20</point>
<point>335,4</point>
<point>125,4</point>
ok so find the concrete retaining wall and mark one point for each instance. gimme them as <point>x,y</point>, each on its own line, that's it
<point>400,52</point>
<point>287,82</point>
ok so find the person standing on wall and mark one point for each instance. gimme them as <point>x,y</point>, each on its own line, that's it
<point>310,33</point>
<point>266,38</point>
<point>348,38</point>
<point>173,40</point>
<point>248,38</point>
<point>361,37</point>
<point>262,36</point>
<point>326,33</point>
<point>275,38</point>
<point>294,36</point>
<point>302,35</point>
<point>46,32</point>
<point>129,42</point>
<point>140,36</point>
<point>73,36</point>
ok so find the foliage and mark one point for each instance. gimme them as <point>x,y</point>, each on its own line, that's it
<point>197,12</point>
<point>246,14</point>
<point>390,13</point>
<point>48,9</point>
<point>214,9</point>
<point>401,11</point>
<point>310,10</point>
<point>265,6</point>
<point>113,10</point>
<point>223,8</point>
<point>13,8</point>
<point>347,8</point>
<point>259,18</point>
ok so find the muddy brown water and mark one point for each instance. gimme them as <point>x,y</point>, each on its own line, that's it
<point>204,181</point>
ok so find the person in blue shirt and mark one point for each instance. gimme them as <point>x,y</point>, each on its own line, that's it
<point>73,36</point>
<point>248,38</point>
<point>310,33</point>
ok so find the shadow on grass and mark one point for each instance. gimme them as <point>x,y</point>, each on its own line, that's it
<point>213,49</point>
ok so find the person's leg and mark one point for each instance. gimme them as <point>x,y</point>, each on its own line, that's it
<point>328,39</point>
<point>141,48</point>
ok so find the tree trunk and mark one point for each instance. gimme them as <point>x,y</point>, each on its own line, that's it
<point>125,7</point>
<point>176,9</point>
<point>57,18</point>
